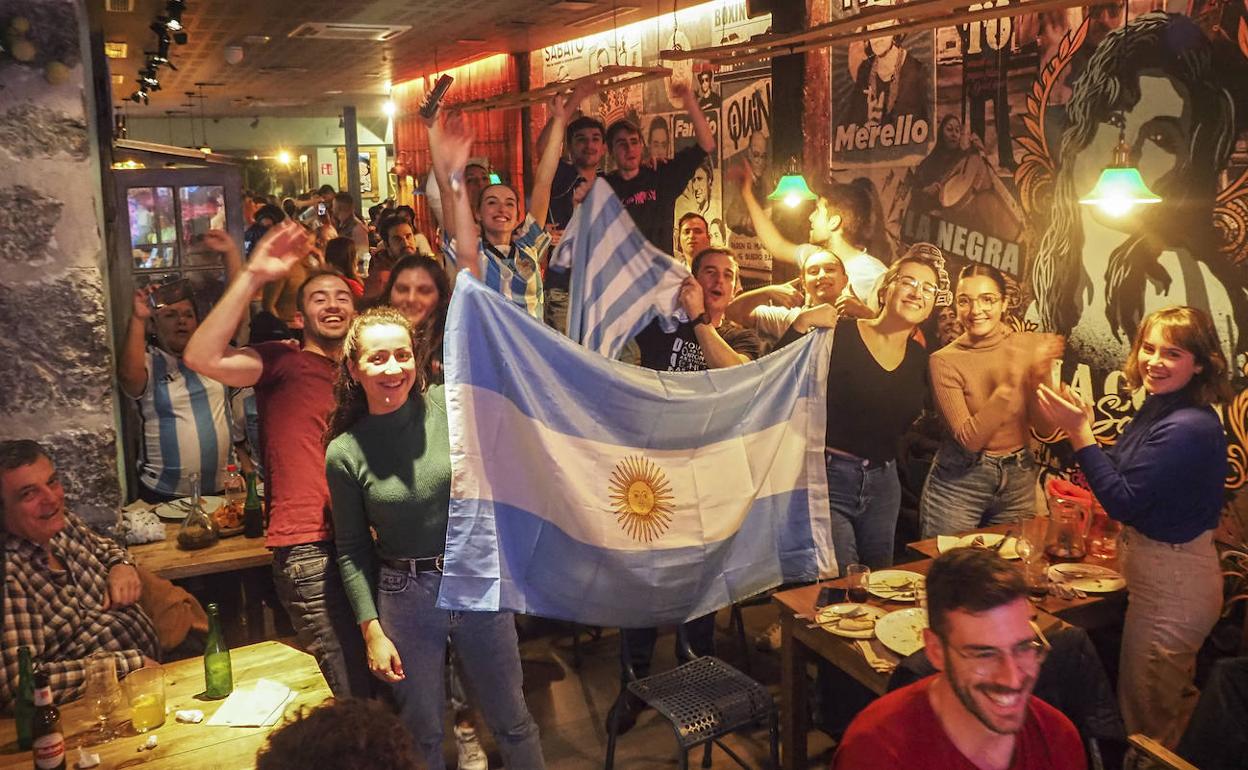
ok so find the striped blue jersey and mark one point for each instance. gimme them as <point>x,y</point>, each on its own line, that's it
<point>186,427</point>
<point>514,272</point>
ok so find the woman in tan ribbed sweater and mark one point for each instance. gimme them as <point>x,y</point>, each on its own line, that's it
<point>983,383</point>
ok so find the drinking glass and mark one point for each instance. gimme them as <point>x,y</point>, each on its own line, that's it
<point>146,690</point>
<point>857,578</point>
<point>103,694</point>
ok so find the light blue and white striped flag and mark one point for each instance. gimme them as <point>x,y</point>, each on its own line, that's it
<point>620,281</point>
<point>593,491</point>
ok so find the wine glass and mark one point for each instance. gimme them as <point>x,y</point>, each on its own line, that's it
<point>103,694</point>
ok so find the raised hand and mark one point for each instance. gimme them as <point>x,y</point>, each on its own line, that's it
<point>277,252</point>
<point>1067,411</point>
<point>141,309</point>
<point>741,174</point>
<point>453,145</point>
<point>691,298</point>
<point>787,295</point>
<point>851,307</point>
<point>817,317</point>
<point>219,241</point>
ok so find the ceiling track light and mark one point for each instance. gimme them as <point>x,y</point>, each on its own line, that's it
<point>174,11</point>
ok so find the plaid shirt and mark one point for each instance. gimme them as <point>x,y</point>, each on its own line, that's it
<point>61,615</point>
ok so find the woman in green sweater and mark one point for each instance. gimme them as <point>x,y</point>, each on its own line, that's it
<point>388,464</point>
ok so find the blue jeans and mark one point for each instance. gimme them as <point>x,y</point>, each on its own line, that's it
<point>488,651</point>
<point>310,588</point>
<point>864,502</point>
<point>968,490</point>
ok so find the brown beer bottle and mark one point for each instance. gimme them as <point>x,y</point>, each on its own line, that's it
<point>49,741</point>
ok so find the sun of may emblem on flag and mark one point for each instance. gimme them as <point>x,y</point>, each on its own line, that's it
<point>641,498</point>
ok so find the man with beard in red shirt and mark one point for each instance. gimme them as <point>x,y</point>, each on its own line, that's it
<point>978,712</point>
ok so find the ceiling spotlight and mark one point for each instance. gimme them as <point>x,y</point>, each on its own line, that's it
<point>389,107</point>
<point>139,97</point>
<point>283,157</point>
<point>180,38</point>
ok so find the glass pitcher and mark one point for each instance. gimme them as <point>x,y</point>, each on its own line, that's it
<point>198,529</point>
<point>1068,529</point>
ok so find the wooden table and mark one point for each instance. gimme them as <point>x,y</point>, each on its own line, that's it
<point>228,555</point>
<point>185,745</point>
<point>800,646</point>
<point>1092,612</point>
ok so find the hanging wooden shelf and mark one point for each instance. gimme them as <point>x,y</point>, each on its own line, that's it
<point>605,79</point>
<point>912,17</point>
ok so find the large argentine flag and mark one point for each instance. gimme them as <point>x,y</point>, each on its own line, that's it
<point>590,490</point>
<point>620,281</point>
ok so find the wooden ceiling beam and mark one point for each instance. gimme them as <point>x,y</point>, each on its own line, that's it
<point>615,76</point>
<point>828,34</point>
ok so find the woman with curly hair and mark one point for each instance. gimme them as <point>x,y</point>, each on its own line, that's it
<point>388,464</point>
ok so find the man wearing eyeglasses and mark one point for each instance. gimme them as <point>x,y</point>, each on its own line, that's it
<point>978,710</point>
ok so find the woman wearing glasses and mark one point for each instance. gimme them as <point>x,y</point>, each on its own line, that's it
<point>1164,479</point>
<point>876,387</point>
<point>984,383</point>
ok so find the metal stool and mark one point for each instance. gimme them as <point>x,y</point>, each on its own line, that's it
<point>704,699</point>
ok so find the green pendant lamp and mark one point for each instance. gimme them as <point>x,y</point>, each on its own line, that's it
<point>792,188</point>
<point>1120,188</point>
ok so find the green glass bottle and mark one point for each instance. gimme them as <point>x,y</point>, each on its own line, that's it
<point>24,708</point>
<point>253,511</point>
<point>218,673</point>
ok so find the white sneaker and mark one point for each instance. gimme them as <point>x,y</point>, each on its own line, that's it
<point>471,755</point>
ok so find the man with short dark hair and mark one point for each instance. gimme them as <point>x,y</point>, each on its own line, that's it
<point>349,225</point>
<point>693,235</point>
<point>583,143</point>
<point>707,340</point>
<point>978,711</point>
<point>68,592</point>
<point>401,239</point>
<point>294,395</point>
<point>649,192</point>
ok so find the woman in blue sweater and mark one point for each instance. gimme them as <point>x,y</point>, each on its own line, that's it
<point>1164,480</point>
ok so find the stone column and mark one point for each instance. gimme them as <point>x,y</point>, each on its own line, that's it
<point>56,380</point>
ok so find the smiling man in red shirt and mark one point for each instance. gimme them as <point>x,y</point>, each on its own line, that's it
<point>978,712</point>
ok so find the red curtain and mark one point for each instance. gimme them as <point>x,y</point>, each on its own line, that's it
<point>498,135</point>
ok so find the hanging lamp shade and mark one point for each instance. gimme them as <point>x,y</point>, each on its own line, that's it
<point>1120,187</point>
<point>792,190</point>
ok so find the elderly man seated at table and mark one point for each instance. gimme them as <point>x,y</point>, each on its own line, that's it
<point>67,591</point>
<point>978,711</point>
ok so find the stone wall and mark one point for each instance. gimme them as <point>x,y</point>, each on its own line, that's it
<point>56,383</point>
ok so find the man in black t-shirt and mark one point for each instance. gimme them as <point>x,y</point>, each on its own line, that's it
<point>706,341</point>
<point>650,192</point>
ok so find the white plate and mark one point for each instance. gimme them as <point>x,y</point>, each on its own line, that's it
<point>831,617</point>
<point>988,541</point>
<point>891,584</point>
<point>174,511</point>
<point>1090,578</point>
<point>902,631</point>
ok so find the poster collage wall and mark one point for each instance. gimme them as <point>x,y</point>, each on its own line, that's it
<point>737,104</point>
<point>981,138</point>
